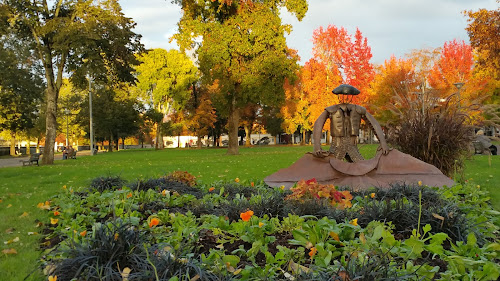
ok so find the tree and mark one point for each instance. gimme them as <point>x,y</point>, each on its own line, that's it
<point>455,65</point>
<point>21,89</point>
<point>165,78</point>
<point>484,36</point>
<point>66,33</point>
<point>203,120</point>
<point>394,77</point>
<point>344,58</point>
<point>243,48</point>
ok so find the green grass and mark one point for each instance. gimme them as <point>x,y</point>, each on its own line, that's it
<point>22,188</point>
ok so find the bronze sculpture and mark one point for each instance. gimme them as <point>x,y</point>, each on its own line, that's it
<point>345,120</point>
<point>388,167</point>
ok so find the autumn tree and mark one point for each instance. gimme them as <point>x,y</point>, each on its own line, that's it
<point>346,60</point>
<point>484,37</point>
<point>242,46</point>
<point>65,33</point>
<point>395,76</point>
<point>165,78</point>
<point>455,65</point>
<point>203,120</point>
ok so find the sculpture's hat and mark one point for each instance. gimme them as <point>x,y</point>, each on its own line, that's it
<point>345,89</point>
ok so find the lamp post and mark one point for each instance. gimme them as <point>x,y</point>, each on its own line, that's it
<point>66,112</point>
<point>458,86</point>
<point>90,113</point>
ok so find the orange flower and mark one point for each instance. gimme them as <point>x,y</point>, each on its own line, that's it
<point>56,213</point>
<point>53,278</point>
<point>116,236</point>
<point>211,189</point>
<point>154,222</point>
<point>53,221</point>
<point>252,184</point>
<point>313,252</point>
<point>246,215</point>
<point>372,195</point>
<point>237,179</point>
<point>419,183</point>
<point>83,233</point>
<point>129,195</point>
<point>334,235</point>
<point>164,192</point>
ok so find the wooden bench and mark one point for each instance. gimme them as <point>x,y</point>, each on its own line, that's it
<point>33,159</point>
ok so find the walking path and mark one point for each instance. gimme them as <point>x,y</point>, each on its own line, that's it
<point>16,161</point>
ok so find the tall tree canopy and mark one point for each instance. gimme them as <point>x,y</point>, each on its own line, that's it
<point>345,60</point>
<point>243,48</point>
<point>165,78</point>
<point>65,33</point>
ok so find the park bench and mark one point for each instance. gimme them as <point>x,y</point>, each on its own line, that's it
<point>33,159</point>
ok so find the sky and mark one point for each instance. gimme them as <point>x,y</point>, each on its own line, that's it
<point>392,27</point>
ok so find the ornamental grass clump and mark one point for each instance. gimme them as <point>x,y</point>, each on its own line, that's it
<point>439,136</point>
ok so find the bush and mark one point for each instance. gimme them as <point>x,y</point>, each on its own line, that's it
<point>440,136</point>
<point>101,184</point>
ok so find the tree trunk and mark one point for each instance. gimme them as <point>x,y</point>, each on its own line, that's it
<point>303,140</point>
<point>28,147</point>
<point>327,136</point>
<point>178,141</point>
<point>198,143</point>
<point>13,144</point>
<point>51,124</point>
<point>233,124</point>
<point>38,145</point>
<point>110,143</point>
<point>248,132</point>
<point>293,138</point>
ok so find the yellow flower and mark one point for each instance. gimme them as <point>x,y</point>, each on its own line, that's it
<point>261,224</point>
<point>419,183</point>
<point>354,222</point>
<point>53,221</point>
<point>164,192</point>
<point>53,278</point>
<point>237,179</point>
<point>282,187</point>
<point>478,186</point>
<point>64,187</point>
<point>372,195</point>
<point>116,236</point>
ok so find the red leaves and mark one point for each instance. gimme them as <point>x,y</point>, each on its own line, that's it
<point>312,189</point>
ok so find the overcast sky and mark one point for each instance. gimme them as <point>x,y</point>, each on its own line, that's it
<point>392,27</point>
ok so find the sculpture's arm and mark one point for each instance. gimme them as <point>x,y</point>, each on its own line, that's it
<point>317,131</point>
<point>378,131</point>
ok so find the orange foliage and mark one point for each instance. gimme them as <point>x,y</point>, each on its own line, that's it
<point>456,65</point>
<point>312,189</point>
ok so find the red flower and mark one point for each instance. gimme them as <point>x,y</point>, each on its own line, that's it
<point>311,181</point>
<point>246,215</point>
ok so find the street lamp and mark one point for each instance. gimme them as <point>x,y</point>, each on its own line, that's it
<point>66,112</point>
<point>458,86</point>
<point>90,112</point>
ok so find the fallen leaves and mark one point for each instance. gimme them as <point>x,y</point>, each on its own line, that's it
<point>15,240</point>
<point>44,206</point>
<point>9,251</point>
<point>25,214</point>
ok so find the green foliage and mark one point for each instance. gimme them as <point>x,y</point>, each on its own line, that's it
<point>165,78</point>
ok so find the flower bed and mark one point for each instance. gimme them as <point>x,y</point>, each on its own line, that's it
<point>172,229</point>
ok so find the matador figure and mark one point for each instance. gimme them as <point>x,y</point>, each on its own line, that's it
<point>345,120</point>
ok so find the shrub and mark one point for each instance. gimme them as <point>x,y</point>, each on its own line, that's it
<point>104,183</point>
<point>439,136</point>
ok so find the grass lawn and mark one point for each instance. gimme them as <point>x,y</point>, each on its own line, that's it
<point>22,188</point>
